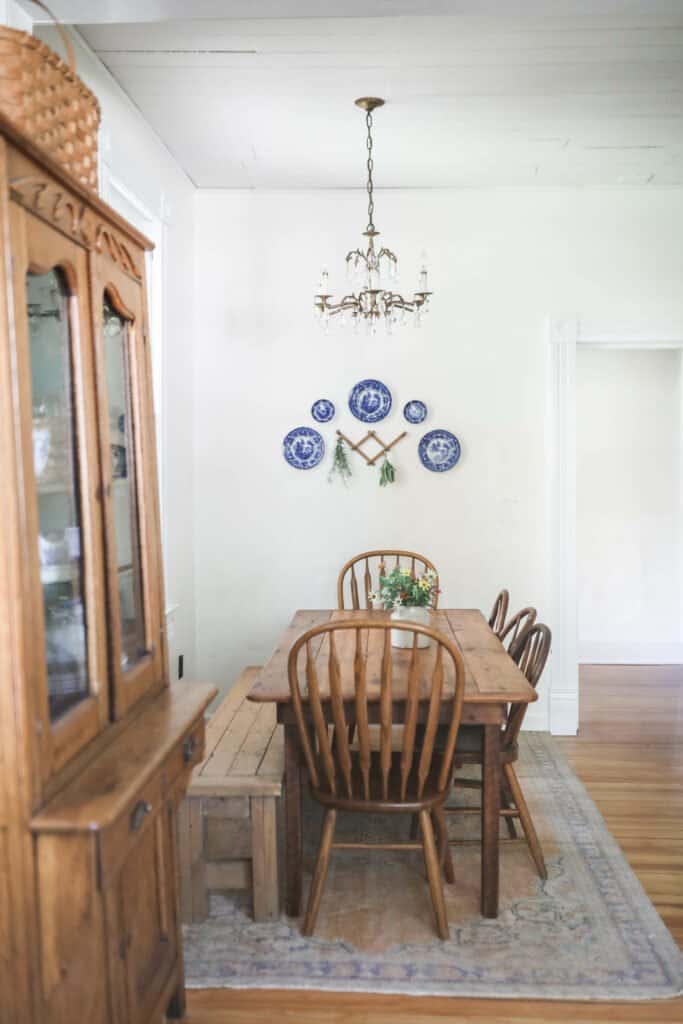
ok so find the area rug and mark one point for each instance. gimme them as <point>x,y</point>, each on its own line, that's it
<point>589,932</point>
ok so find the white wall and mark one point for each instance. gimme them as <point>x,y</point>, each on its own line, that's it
<point>137,159</point>
<point>269,539</point>
<point>13,15</point>
<point>629,524</point>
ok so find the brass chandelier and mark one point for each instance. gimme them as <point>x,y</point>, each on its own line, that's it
<point>369,270</point>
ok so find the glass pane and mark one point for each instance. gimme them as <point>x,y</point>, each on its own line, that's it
<point>124,496</point>
<point>55,463</point>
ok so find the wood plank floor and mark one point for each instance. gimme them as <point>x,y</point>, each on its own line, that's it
<point>629,754</point>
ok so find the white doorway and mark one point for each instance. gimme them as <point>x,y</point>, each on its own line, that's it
<point>565,336</point>
<point>629,528</point>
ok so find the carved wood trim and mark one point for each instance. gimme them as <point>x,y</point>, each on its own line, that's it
<point>58,206</point>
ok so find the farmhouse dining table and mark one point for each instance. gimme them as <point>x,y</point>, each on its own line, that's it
<point>492,681</point>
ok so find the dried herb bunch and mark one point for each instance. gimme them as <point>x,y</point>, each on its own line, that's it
<point>341,466</point>
<point>387,473</point>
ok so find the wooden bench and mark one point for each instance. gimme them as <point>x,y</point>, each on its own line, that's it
<point>228,821</point>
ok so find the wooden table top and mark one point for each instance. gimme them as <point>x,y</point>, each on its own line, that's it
<point>491,676</point>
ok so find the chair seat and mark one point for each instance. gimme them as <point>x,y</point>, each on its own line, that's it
<point>393,802</point>
<point>469,745</point>
<point>469,748</point>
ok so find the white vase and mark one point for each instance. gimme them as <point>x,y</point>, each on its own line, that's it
<point>410,613</point>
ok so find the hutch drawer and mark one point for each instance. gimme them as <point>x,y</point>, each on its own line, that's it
<point>116,842</point>
<point>186,755</point>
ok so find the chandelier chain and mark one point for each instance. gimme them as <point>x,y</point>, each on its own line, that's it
<point>370,166</point>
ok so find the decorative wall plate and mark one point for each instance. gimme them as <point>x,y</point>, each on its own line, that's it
<point>415,411</point>
<point>370,401</point>
<point>323,410</point>
<point>303,448</point>
<point>439,450</point>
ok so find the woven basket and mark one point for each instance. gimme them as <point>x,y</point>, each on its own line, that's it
<point>49,104</point>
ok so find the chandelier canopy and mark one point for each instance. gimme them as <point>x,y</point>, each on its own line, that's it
<point>371,270</point>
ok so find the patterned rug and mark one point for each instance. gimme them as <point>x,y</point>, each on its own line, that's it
<point>588,932</point>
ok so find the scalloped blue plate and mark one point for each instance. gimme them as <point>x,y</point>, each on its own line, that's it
<point>323,410</point>
<point>303,448</point>
<point>439,450</point>
<point>370,401</point>
<point>415,411</point>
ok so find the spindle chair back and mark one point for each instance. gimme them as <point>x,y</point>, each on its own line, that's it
<point>349,675</point>
<point>499,612</point>
<point>516,625</point>
<point>530,651</point>
<point>360,576</point>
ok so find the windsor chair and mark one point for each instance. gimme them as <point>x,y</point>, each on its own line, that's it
<point>499,612</point>
<point>355,659</point>
<point>516,625</point>
<point>372,565</point>
<point>530,652</point>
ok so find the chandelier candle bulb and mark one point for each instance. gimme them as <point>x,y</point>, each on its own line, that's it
<point>369,267</point>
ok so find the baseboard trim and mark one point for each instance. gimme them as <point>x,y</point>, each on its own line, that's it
<point>564,714</point>
<point>631,654</point>
<point>536,718</point>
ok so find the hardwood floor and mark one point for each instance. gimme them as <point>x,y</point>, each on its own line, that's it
<point>629,754</point>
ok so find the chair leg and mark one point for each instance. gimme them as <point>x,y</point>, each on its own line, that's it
<point>525,818</point>
<point>320,872</point>
<point>445,858</point>
<point>506,803</point>
<point>434,875</point>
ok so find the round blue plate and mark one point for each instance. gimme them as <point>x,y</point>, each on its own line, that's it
<point>370,401</point>
<point>439,450</point>
<point>323,410</point>
<point>415,411</point>
<point>303,448</point>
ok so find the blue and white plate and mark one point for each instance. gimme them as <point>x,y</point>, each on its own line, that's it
<point>303,448</point>
<point>439,450</point>
<point>370,401</point>
<point>322,411</point>
<point>415,411</point>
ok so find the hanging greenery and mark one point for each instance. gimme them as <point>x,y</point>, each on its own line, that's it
<point>341,466</point>
<point>387,473</point>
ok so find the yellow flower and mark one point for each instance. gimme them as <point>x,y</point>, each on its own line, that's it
<point>405,572</point>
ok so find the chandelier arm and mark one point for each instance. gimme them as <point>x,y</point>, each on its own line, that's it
<point>358,254</point>
<point>348,302</point>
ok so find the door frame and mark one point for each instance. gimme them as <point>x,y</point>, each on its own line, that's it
<point>563,336</point>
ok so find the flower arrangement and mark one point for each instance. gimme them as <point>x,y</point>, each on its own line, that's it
<point>401,589</point>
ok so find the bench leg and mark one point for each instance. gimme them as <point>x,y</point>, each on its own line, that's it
<point>264,879</point>
<point>194,903</point>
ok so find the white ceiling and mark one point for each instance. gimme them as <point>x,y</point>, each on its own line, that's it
<point>579,93</point>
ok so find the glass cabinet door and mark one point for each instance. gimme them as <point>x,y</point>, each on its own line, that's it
<point>55,466</point>
<point>131,499</point>
<point>62,521</point>
<point>124,499</point>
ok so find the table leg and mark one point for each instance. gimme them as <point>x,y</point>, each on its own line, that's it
<point>490,821</point>
<point>293,843</point>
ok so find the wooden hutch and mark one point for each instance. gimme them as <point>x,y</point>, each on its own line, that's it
<point>95,747</point>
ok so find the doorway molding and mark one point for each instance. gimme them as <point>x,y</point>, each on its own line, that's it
<point>563,336</point>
